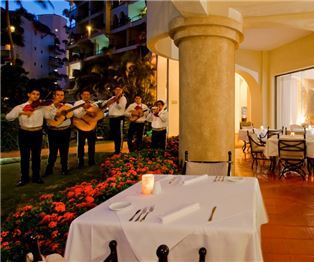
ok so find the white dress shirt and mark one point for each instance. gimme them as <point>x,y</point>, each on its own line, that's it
<point>35,120</point>
<point>116,110</point>
<point>50,113</point>
<point>132,107</point>
<point>160,121</point>
<point>81,111</point>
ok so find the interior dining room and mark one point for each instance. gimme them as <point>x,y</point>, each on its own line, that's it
<point>224,62</point>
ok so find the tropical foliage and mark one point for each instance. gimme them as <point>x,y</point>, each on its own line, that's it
<point>51,215</point>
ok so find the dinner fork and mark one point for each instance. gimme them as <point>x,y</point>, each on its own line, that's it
<point>151,209</point>
<point>142,213</point>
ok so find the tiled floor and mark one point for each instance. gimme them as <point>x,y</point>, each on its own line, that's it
<point>289,235</point>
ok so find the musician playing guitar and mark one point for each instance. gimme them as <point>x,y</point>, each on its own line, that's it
<point>137,113</point>
<point>31,120</point>
<point>83,135</point>
<point>116,115</point>
<point>58,134</point>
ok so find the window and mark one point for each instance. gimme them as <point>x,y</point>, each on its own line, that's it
<point>35,48</point>
<point>295,98</point>
<point>35,63</point>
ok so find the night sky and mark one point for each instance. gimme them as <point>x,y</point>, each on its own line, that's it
<point>36,9</point>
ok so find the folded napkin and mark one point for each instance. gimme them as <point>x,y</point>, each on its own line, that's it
<point>181,212</point>
<point>195,179</point>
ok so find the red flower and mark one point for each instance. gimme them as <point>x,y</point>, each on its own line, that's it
<point>17,232</point>
<point>54,234</point>
<point>46,197</point>
<point>27,208</point>
<point>68,216</point>
<point>4,233</point>
<point>59,206</point>
<point>52,224</point>
<point>89,199</point>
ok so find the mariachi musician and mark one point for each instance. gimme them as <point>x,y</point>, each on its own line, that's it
<point>90,135</point>
<point>59,131</point>
<point>117,106</point>
<point>31,118</point>
<point>137,113</point>
<point>159,119</point>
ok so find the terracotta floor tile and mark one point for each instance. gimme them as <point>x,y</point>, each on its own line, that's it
<point>276,258</point>
<point>303,247</point>
<point>289,235</point>
<point>274,246</point>
<point>300,258</point>
<point>278,231</point>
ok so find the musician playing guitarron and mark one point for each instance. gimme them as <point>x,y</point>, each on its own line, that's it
<point>137,113</point>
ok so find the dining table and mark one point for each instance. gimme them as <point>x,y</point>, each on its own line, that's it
<point>222,214</point>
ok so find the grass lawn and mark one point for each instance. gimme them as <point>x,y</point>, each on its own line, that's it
<point>12,196</point>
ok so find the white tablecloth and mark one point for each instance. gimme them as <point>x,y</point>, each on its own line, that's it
<point>271,148</point>
<point>242,135</point>
<point>233,234</point>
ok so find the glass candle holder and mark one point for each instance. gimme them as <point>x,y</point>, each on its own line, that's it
<point>147,184</point>
<point>292,133</point>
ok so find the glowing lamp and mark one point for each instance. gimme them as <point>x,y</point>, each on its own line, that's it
<point>292,133</point>
<point>147,184</point>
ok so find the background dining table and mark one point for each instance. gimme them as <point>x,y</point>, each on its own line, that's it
<point>179,218</point>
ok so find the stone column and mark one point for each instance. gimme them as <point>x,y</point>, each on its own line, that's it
<point>206,76</point>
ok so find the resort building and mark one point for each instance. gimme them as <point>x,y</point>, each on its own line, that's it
<point>218,59</point>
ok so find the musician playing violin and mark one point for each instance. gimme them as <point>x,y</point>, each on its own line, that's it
<point>58,136</point>
<point>159,119</point>
<point>137,113</point>
<point>30,134</point>
<point>83,135</point>
<point>116,117</point>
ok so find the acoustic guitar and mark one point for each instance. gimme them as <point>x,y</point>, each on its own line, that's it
<point>65,113</point>
<point>88,122</point>
<point>140,113</point>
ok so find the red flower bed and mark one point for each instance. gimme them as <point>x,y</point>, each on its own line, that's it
<point>51,215</point>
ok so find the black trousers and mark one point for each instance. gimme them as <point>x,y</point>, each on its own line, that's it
<point>116,127</point>
<point>159,139</point>
<point>30,143</point>
<point>136,129</point>
<point>91,141</point>
<point>59,140</point>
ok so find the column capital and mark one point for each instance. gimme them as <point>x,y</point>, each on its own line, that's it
<point>181,28</point>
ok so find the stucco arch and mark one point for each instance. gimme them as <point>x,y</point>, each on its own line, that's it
<point>254,97</point>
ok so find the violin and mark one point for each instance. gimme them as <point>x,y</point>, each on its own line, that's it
<point>36,104</point>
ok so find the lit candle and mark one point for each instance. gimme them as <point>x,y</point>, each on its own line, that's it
<point>292,133</point>
<point>262,127</point>
<point>147,184</point>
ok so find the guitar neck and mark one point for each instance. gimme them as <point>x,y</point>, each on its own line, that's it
<point>74,107</point>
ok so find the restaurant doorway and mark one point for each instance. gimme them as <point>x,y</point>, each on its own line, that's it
<point>242,100</point>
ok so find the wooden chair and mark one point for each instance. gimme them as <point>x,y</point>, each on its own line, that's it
<point>211,168</point>
<point>292,155</point>
<point>113,256</point>
<point>257,149</point>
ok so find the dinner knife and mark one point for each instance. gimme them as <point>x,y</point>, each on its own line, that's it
<point>138,211</point>
<point>212,214</point>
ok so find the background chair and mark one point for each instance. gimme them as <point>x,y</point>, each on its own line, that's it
<point>247,125</point>
<point>211,168</point>
<point>257,148</point>
<point>292,155</point>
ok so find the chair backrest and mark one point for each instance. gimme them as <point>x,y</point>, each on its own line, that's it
<point>211,168</point>
<point>113,256</point>
<point>292,149</point>
<point>274,132</point>
<point>254,141</point>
